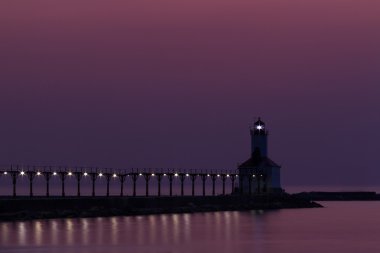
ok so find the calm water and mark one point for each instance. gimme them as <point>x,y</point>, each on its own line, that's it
<point>340,227</point>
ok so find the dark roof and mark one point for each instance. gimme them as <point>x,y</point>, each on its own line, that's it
<point>259,122</point>
<point>261,162</point>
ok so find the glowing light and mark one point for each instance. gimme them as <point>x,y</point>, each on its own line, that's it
<point>85,174</point>
<point>70,173</point>
<point>208,175</point>
<point>114,175</point>
<point>228,175</point>
<point>5,172</point>
<point>218,175</point>
<point>38,173</point>
<point>100,174</point>
<point>153,175</point>
<point>164,175</point>
<point>176,174</point>
<point>54,173</point>
<point>187,175</point>
<point>259,127</point>
<point>140,174</point>
<point>253,175</point>
<point>22,173</point>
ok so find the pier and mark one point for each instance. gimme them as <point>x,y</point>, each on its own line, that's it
<point>161,191</point>
<point>225,178</point>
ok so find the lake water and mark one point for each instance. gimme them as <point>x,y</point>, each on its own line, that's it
<point>340,227</point>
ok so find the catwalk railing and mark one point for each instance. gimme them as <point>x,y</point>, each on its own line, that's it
<point>47,172</point>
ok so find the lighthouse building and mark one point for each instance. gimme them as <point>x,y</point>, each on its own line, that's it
<point>259,174</point>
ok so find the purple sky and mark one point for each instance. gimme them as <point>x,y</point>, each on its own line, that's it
<point>177,83</point>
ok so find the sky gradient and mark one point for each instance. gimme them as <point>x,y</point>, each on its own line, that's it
<point>177,83</point>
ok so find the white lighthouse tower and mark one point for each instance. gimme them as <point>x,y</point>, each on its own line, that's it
<point>259,174</point>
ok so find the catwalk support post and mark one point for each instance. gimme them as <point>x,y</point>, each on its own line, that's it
<point>78,177</point>
<point>31,174</point>
<point>193,177</point>
<point>182,177</point>
<point>134,179</point>
<point>223,184</point>
<point>213,178</point>
<point>147,178</point>
<point>62,176</point>
<point>170,175</point>
<point>122,180</point>
<point>159,178</point>
<point>93,176</point>
<point>233,177</point>
<point>47,176</point>
<point>108,179</point>
<point>204,177</point>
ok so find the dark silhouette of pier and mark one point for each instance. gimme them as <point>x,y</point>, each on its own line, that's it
<point>47,172</point>
<point>44,205</point>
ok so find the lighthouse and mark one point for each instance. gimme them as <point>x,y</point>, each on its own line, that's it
<point>259,138</point>
<point>259,174</point>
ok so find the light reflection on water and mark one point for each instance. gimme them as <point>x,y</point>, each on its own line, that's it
<point>341,227</point>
